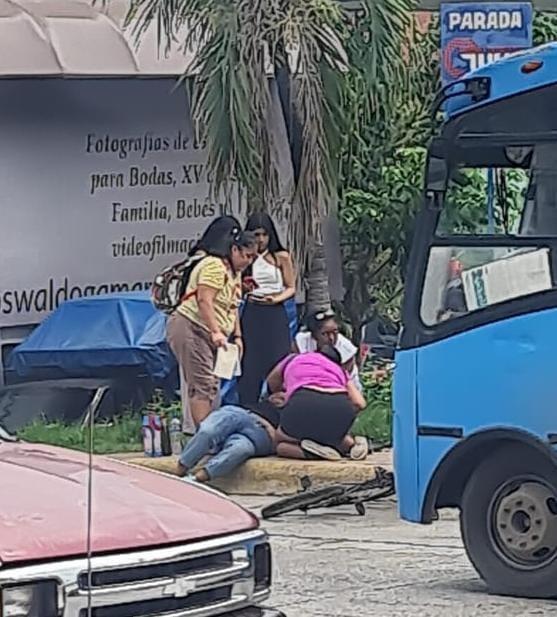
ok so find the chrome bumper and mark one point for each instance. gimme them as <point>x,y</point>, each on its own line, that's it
<point>212,577</point>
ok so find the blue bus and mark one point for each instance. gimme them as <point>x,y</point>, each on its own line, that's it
<point>475,392</point>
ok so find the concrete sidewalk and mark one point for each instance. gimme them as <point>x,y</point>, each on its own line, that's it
<point>277,476</point>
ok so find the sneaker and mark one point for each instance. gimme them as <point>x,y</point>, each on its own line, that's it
<point>360,449</point>
<point>190,477</point>
<point>318,449</point>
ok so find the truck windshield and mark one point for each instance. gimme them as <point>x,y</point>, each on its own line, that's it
<point>493,239</point>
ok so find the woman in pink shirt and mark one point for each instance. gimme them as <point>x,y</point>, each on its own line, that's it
<point>321,403</point>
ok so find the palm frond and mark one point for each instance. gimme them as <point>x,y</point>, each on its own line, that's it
<point>313,31</point>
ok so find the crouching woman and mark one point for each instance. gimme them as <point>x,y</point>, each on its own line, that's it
<point>321,404</point>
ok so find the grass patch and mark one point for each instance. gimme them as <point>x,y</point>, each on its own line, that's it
<point>375,421</point>
<point>121,434</point>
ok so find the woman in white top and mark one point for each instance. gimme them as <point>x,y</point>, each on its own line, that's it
<point>323,330</point>
<point>269,283</point>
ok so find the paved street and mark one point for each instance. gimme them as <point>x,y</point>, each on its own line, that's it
<point>336,563</point>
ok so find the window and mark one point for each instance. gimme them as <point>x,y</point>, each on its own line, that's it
<point>519,200</point>
<point>460,280</point>
<point>481,201</point>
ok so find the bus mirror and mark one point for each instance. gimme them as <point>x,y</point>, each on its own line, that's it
<point>437,174</point>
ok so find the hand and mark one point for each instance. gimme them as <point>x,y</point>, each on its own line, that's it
<point>218,339</point>
<point>264,299</point>
<point>278,399</point>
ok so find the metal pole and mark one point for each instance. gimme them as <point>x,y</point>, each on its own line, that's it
<point>490,197</point>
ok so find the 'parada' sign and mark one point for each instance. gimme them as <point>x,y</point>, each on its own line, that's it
<point>474,34</point>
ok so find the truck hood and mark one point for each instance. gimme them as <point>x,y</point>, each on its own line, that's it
<point>43,491</point>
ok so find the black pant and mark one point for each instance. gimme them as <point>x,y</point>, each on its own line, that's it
<point>322,416</point>
<point>266,341</point>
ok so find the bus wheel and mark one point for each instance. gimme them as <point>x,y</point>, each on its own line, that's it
<point>509,522</point>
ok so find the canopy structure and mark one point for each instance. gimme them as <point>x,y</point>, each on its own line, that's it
<point>73,38</point>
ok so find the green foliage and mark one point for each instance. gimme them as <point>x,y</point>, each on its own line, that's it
<point>382,176</point>
<point>466,202</point>
<point>376,232</point>
<point>121,434</point>
<point>375,421</point>
<point>544,28</point>
<point>238,46</point>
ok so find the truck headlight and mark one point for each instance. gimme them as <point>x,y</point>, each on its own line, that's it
<point>263,568</point>
<point>30,600</point>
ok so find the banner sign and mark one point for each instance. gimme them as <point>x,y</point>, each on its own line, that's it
<point>474,34</point>
<point>102,184</point>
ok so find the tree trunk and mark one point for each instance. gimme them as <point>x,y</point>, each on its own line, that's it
<point>317,281</point>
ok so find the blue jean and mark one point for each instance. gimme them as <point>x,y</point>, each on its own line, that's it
<point>233,434</point>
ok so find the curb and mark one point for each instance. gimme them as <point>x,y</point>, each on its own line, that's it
<point>277,476</point>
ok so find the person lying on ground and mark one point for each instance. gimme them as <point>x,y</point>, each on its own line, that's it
<point>321,405</point>
<point>229,436</point>
<point>323,329</point>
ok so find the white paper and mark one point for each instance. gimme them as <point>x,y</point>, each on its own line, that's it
<point>227,363</point>
<point>518,275</point>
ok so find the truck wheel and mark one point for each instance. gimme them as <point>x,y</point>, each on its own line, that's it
<point>508,522</point>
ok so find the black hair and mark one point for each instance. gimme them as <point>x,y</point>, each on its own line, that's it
<point>316,319</point>
<point>332,353</point>
<point>218,237</point>
<point>243,239</point>
<point>261,220</point>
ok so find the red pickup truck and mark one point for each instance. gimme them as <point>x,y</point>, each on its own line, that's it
<point>157,545</point>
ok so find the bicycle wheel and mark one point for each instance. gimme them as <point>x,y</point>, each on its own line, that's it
<point>302,501</point>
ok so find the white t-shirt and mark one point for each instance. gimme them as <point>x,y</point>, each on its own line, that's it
<point>345,347</point>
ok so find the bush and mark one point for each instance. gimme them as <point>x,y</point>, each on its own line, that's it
<point>375,421</point>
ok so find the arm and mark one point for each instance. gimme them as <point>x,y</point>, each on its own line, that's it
<point>210,280</point>
<point>205,299</point>
<point>237,326</point>
<point>237,334</point>
<point>349,366</point>
<point>355,396</point>
<point>275,378</point>
<point>288,277</point>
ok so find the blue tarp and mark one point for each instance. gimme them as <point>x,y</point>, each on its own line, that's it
<point>91,337</point>
<point>84,337</point>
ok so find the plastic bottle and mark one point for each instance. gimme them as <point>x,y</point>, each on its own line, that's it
<point>148,435</point>
<point>176,436</point>
<point>165,436</point>
<point>156,424</point>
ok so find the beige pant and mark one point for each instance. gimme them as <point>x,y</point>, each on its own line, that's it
<point>188,425</point>
<point>192,347</point>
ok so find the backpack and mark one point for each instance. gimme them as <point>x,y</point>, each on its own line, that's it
<point>168,290</point>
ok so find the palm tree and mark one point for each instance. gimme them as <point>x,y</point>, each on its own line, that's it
<point>247,51</point>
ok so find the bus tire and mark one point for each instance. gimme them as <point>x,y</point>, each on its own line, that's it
<point>508,522</point>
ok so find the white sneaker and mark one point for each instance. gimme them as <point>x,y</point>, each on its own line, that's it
<point>360,449</point>
<point>318,449</point>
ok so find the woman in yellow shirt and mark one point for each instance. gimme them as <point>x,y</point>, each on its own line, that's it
<point>207,318</point>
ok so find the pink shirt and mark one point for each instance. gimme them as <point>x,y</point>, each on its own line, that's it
<point>312,370</point>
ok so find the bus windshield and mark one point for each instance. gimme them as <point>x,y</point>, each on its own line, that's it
<point>493,235</point>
